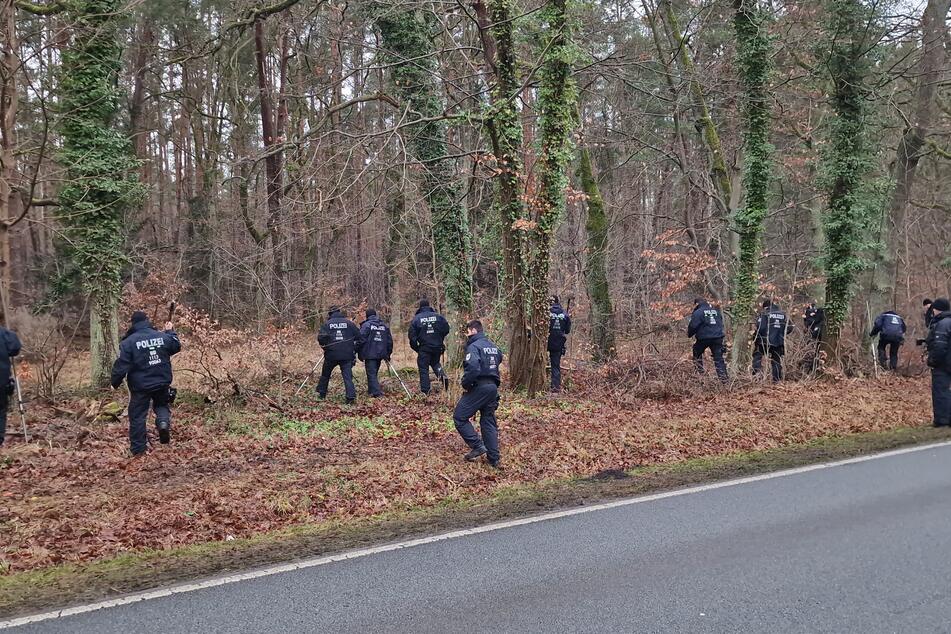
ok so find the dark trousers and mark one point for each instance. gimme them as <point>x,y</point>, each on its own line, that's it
<point>346,370</point>
<point>555,357</point>
<point>373,379</point>
<point>139,404</point>
<point>716,351</point>
<point>941,396</point>
<point>4,405</point>
<point>775,354</point>
<point>483,398</point>
<point>893,347</point>
<point>424,361</point>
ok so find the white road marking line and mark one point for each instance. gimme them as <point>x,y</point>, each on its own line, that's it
<point>366,552</point>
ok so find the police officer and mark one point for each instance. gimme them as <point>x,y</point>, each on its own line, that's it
<point>145,361</point>
<point>9,347</point>
<point>706,324</point>
<point>559,327</point>
<point>427,332</point>
<point>480,380</point>
<point>772,326</point>
<point>939,360</point>
<point>340,339</point>
<point>377,345</point>
<point>890,328</point>
<point>814,319</point>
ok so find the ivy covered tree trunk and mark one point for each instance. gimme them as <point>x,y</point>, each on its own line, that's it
<point>496,22</point>
<point>96,158</point>
<point>557,118</point>
<point>596,277</point>
<point>528,230</point>
<point>845,219</point>
<point>753,54</point>
<point>409,36</point>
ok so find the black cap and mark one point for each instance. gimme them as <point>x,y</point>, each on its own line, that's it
<point>333,309</point>
<point>767,303</point>
<point>138,316</point>
<point>941,304</point>
<point>371,312</point>
<point>927,302</point>
<point>423,302</point>
<point>698,300</point>
<point>554,299</point>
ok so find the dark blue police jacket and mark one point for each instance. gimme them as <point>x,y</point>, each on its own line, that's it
<point>145,358</point>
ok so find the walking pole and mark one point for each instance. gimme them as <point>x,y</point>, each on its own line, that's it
<point>13,366</point>
<point>397,375</point>
<point>871,342</point>
<point>567,379</point>
<point>307,378</point>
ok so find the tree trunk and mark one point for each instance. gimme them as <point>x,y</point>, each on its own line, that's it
<point>527,234</point>
<point>409,38</point>
<point>719,171</point>
<point>273,159</point>
<point>596,278</point>
<point>103,336</point>
<point>753,58</point>
<point>9,100</point>
<point>845,219</point>
<point>97,187</point>
<point>505,132</point>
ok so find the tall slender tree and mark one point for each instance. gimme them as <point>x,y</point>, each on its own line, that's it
<point>720,172</point>
<point>753,53</point>
<point>99,184</point>
<point>596,270</point>
<point>849,27</point>
<point>409,37</point>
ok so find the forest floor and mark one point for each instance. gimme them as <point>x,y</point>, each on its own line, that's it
<point>311,474</point>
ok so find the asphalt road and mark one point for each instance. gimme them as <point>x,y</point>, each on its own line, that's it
<point>863,547</point>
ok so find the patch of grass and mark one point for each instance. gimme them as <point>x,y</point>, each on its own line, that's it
<point>26,592</point>
<point>190,397</point>
<point>276,424</point>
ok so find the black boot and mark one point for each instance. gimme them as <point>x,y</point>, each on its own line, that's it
<point>475,454</point>
<point>164,431</point>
